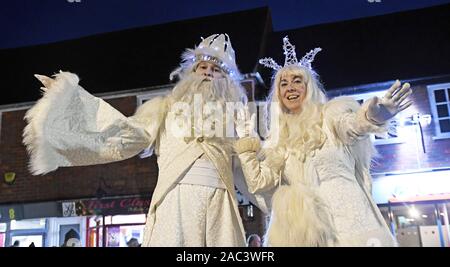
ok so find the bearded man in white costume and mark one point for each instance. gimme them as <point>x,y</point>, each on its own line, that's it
<point>320,153</point>
<point>194,202</point>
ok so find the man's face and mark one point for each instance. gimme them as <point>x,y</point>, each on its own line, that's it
<point>209,70</point>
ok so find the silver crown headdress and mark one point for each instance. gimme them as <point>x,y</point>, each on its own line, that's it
<point>291,57</point>
<point>216,49</point>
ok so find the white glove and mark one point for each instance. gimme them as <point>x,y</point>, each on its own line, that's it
<point>394,101</point>
<point>245,124</point>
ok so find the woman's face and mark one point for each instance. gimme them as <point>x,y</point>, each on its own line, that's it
<point>209,70</point>
<point>292,91</point>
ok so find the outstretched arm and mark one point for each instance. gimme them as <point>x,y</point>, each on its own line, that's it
<point>350,122</point>
<point>70,127</point>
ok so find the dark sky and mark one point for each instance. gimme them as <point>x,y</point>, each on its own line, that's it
<point>29,22</point>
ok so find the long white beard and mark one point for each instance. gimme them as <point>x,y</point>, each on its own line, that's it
<point>222,89</point>
<point>205,100</point>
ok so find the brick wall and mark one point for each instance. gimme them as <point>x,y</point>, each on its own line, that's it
<point>409,155</point>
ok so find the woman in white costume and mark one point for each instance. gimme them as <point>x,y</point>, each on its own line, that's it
<point>194,202</point>
<point>321,152</point>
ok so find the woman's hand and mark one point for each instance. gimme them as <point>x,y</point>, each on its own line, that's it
<point>393,102</point>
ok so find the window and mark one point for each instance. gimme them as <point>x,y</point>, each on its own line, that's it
<point>120,229</point>
<point>28,232</point>
<point>439,96</point>
<point>27,240</point>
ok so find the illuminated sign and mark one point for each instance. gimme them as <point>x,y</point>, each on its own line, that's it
<point>135,205</point>
<point>434,185</point>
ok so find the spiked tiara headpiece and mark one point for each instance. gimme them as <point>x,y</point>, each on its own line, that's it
<point>216,49</point>
<point>291,57</point>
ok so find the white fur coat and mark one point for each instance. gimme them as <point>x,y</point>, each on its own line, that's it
<point>324,199</point>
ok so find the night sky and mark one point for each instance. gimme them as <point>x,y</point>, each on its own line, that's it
<point>26,22</point>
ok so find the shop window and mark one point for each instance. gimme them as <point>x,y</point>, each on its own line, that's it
<point>27,232</point>
<point>417,225</point>
<point>26,240</point>
<point>439,96</point>
<point>119,230</point>
<point>120,235</point>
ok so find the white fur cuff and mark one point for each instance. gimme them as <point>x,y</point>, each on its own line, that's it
<point>247,144</point>
<point>366,125</point>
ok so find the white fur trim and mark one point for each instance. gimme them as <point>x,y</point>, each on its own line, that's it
<point>152,114</point>
<point>43,158</point>
<point>360,144</point>
<point>300,218</point>
<point>247,144</point>
<point>366,124</point>
<point>347,120</point>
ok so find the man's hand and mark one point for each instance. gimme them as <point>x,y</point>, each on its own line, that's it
<point>394,101</point>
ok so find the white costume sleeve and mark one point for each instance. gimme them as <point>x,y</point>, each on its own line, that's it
<point>347,120</point>
<point>261,200</point>
<point>70,127</point>
<point>260,175</point>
